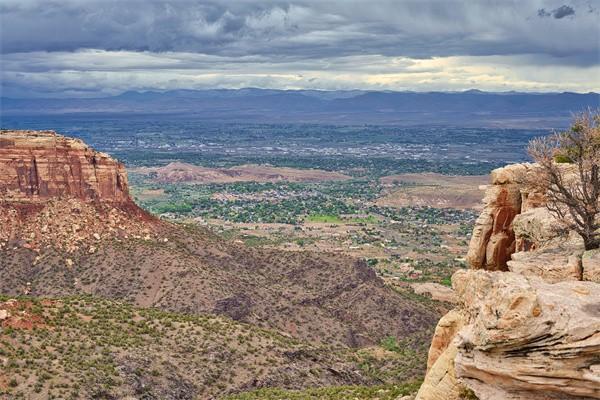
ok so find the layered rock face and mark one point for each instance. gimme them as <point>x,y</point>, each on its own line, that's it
<point>493,239</point>
<point>527,323</point>
<point>528,339</point>
<point>58,191</point>
<point>40,165</point>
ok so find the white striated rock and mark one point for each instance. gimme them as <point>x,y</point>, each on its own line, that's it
<point>528,339</point>
<point>553,265</point>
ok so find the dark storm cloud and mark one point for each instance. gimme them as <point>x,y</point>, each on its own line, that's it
<point>560,12</point>
<point>107,46</point>
<point>543,13</point>
<point>296,29</point>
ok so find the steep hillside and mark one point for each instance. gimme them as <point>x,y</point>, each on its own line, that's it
<point>83,347</point>
<point>72,241</point>
<point>323,298</point>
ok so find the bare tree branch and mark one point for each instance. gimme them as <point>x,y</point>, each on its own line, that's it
<point>569,175</point>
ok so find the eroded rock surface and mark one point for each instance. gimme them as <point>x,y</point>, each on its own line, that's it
<point>590,264</point>
<point>57,191</point>
<point>535,228</point>
<point>556,264</point>
<point>518,338</point>
<point>528,339</point>
<point>529,325</point>
<point>39,165</point>
<point>493,239</point>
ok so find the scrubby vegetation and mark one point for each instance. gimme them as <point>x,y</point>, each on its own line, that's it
<point>379,392</point>
<point>82,347</point>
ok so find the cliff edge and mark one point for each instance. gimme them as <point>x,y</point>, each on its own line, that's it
<point>40,165</point>
<point>527,322</point>
<point>57,191</point>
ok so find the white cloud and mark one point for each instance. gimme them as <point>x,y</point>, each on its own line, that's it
<point>110,46</point>
<point>101,72</point>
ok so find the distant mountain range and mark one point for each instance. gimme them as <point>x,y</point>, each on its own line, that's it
<point>472,107</point>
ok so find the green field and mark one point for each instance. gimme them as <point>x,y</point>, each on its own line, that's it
<point>324,218</point>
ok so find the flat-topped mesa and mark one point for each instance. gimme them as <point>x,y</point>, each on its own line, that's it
<point>36,166</point>
<point>56,191</point>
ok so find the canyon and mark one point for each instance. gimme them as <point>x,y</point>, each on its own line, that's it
<point>72,227</point>
<point>525,322</point>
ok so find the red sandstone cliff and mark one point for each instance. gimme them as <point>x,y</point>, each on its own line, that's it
<point>40,165</point>
<point>57,191</point>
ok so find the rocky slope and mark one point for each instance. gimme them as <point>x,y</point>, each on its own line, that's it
<point>527,323</point>
<point>57,191</point>
<point>82,234</point>
<point>90,348</point>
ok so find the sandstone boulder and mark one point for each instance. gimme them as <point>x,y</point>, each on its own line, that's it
<point>531,200</point>
<point>591,265</point>
<point>445,331</point>
<point>528,339</point>
<point>513,173</point>
<point>440,382</point>
<point>553,265</point>
<point>535,228</point>
<point>493,239</point>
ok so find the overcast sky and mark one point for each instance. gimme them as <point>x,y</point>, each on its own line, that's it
<point>102,47</point>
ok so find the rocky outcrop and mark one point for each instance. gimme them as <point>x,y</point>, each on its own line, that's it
<point>440,382</point>
<point>493,239</point>
<point>590,264</point>
<point>528,339</point>
<point>445,331</point>
<point>527,323</point>
<point>41,165</point>
<point>534,228</point>
<point>517,338</point>
<point>553,264</point>
<point>516,232</point>
<point>58,191</point>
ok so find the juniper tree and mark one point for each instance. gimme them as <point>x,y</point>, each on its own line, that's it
<point>569,175</point>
